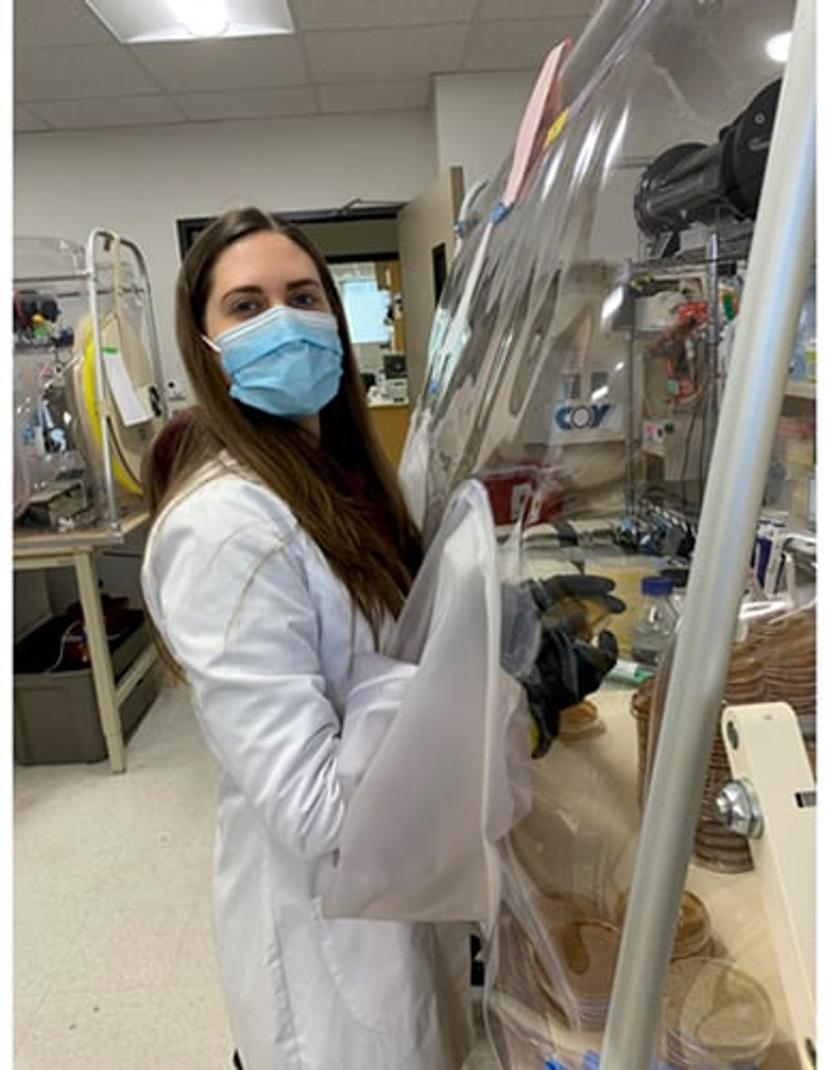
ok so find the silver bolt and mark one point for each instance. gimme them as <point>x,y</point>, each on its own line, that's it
<point>739,810</point>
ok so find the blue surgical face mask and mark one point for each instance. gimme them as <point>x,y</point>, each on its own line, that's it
<point>285,361</point>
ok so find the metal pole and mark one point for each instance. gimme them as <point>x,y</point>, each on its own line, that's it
<point>711,416</point>
<point>152,332</point>
<point>629,429</point>
<point>630,422</point>
<point>100,372</point>
<point>780,258</point>
<point>22,280</point>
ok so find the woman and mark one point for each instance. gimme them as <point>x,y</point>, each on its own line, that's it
<point>280,551</point>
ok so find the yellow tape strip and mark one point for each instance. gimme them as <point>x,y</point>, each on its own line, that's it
<point>556,128</point>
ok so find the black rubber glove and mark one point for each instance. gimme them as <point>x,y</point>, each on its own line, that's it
<point>565,671</point>
<point>565,666</point>
<point>574,602</point>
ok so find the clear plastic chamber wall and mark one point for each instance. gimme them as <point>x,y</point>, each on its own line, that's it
<point>87,382</point>
<point>577,362</point>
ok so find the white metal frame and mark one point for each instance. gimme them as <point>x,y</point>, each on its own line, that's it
<point>768,759</point>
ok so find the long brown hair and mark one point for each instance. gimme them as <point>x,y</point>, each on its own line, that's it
<point>307,475</point>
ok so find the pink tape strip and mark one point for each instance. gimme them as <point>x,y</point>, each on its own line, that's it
<point>543,108</point>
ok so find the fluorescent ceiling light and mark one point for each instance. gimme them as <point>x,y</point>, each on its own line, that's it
<point>201,18</point>
<point>777,47</point>
<point>138,22</point>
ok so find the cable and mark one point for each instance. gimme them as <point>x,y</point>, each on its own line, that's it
<point>110,638</point>
<point>700,402</point>
<point>63,640</point>
<point>703,452</point>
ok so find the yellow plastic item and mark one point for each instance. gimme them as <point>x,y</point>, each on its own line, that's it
<point>127,443</point>
<point>90,400</point>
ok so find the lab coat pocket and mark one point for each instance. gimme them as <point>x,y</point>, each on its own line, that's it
<point>381,971</point>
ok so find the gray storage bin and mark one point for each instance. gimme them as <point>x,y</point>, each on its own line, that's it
<point>56,714</point>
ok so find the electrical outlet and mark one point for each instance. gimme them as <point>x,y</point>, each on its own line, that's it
<point>175,390</point>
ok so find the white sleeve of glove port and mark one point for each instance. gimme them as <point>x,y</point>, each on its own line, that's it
<point>225,581</point>
<point>378,686</point>
<point>450,778</point>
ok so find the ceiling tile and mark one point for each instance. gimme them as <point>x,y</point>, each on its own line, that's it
<point>248,104</point>
<point>368,14</point>
<point>109,111</point>
<point>77,71</point>
<point>26,121</point>
<point>536,9</point>
<point>377,55</point>
<point>375,96</point>
<point>56,22</point>
<point>220,65</point>
<point>504,46</point>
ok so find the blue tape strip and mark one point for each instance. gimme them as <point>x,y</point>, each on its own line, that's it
<point>500,211</point>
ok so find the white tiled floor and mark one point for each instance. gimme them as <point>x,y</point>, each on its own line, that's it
<point>113,952</point>
<point>113,956</point>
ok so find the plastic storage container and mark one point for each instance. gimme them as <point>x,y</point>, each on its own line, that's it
<point>56,713</point>
<point>656,620</point>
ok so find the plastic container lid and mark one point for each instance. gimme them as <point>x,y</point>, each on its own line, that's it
<point>656,586</point>
<point>715,1011</point>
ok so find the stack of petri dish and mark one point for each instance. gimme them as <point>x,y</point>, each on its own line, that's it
<point>714,845</point>
<point>693,930</point>
<point>580,722</point>
<point>716,1017</point>
<point>786,646</point>
<point>745,677</point>
<point>640,706</point>
<point>584,946</point>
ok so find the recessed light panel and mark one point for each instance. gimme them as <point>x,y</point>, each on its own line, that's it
<point>151,21</point>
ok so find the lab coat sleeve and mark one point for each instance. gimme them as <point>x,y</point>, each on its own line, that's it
<point>229,586</point>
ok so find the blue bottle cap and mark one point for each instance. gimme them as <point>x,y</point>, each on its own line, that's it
<point>592,1061</point>
<point>656,586</point>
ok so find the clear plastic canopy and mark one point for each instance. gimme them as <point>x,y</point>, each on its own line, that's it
<point>583,314</point>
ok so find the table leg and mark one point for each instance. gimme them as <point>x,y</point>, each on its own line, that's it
<point>101,662</point>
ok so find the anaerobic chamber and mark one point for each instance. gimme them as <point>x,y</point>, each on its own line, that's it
<point>88,393</point>
<point>615,327</point>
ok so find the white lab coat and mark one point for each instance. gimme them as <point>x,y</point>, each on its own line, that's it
<point>277,660</point>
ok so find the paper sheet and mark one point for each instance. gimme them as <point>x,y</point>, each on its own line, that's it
<point>131,406</point>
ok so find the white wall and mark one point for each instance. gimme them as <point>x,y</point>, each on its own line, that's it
<point>476,119</point>
<point>140,181</point>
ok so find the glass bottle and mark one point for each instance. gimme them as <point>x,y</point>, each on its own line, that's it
<point>656,620</point>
